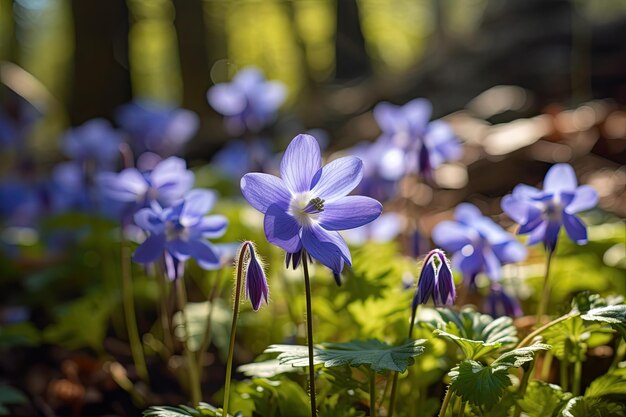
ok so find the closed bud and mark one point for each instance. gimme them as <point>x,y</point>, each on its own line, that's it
<point>256,282</point>
<point>435,281</point>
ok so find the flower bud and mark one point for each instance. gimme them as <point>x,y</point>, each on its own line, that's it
<point>256,282</point>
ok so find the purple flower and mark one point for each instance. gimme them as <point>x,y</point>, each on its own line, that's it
<point>166,183</point>
<point>68,188</point>
<point>435,281</point>
<point>156,127</point>
<point>95,142</point>
<point>248,102</point>
<point>479,244</point>
<point>411,143</point>
<point>180,233</point>
<point>541,213</point>
<point>305,208</point>
<point>499,303</point>
<point>238,157</point>
<point>256,282</point>
<point>383,229</point>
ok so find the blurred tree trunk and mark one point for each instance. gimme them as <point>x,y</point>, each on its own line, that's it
<point>101,80</point>
<point>351,60</point>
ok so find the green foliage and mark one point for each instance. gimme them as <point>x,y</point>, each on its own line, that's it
<point>476,334</point>
<point>282,398</point>
<point>611,384</point>
<point>10,395</point>
<point>19,334</point>
<point>592,407</point>
<point>543,399</point>
<point>484,385</point>
<point>614,315</point>
<point>376,355</point>
<point>571,338</point>
<point>265,369</point>
<point>197,316</point>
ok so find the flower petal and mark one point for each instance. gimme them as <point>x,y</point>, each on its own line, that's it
<point>338,178</point>
<point>328,247</point>
<point>560,177</point>
<point>524,192</point>
<point>468,263</point>
<point>212,226</point>
<point>150,249</point>
<point>205,254</point>
<point>198,202</point>
<point>227,99</point>
<point>149,221</point>
<point>417,113</point>
<point>263,190</point>
<point>300,163</point>
<point>180,249</point>
<point>510,252</point>
<point>451,236</point>
<point>349,212</point>
<point>389,117</point>
<point>281,229</point>
<point>585,198</point>
<point>127,186</point>
<point>520,210</point>
<point>492,265</point>
<point>537,234</point>
<point>467,213</point>
<point>575,228</point>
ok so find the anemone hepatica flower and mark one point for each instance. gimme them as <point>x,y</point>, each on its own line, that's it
<point>412,143</point>
<point>435,281</point>
<point>157,127</point>
<point>499,303</point>
<point>248,102</point>
<point>166,183</point>
<point>305,208</point>
<point>95,141</point>
<point>541,213</point>
<point>478,243</point>
<point>256,282</point>
<point>180,232</point>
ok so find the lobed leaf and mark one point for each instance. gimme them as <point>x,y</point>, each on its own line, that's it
<point>592,407</point>
<point>614,315</point>
<point>376,355</point>
<point>479,384</point>
<point>543,399</point>
<point>613,383</point>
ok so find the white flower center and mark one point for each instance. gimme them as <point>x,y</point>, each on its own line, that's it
<point>174,230</point>
<point>305,208</point>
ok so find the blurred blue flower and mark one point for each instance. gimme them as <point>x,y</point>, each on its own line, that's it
<point>95,142</point>
<point>499,303</point>
<point>373,184</point>
<point>21,203</point>
<point>305,208</point>
<point>17,118</point>
<point>478,243</point>
<point>256,282</point>
<point>157,127</point>
<point>435,281</point>
<point>165,184</point>
<point>411,143</point>
<point>67,189</point>
<point>238,157</point>
<point>180,232</point>
<point>541,213</point>
<point>248,102</point>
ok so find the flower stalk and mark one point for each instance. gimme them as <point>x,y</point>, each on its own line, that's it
<point>372,394</point>
<point>309,332</point>
<point>194,378</point>
<point>545,295</point>
<point>446,402</point>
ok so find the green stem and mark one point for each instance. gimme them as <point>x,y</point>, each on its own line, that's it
<point>462,408</point>
<point>521,392</point>
<point>578,370</point>
<point>233,327</point>
<point>446,402</point>
<point>164,312</point>
<point>372,394</point>
<point>194,381</point>
<point>546,366</point>
<point>563,373</point>
<point>129,314</point>
<point>206,337</point>
<point>309,332</point>
<point>545,295</point>
<point>394,382</point>
<point>620,351</point>
<point>526,341</point>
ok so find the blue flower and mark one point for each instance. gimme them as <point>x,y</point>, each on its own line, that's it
<point>411,143</point>
<point>256,282</point>
<point>180,232</point>
<point>68,188</point>
<point>94,142</point>
<point>307,206</point>
<point>156,127</point>
<point>435,281</point>
<point>384,229</point>
<point>238,157</point>
<point>248,102</point>
<point>165,184</point>
<point>499,303</point>
<point>479,244</point>
<point>541,213</point>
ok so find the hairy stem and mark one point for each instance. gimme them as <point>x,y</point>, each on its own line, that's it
<point>129,314</point>
<point>194,381</point>
<point>372,394</point>
<point>309,332</point>
<point>233,327</point>
<point>394,382</point>
<point>545,295</point>
<point>446,402</point>
<point>526,341</point>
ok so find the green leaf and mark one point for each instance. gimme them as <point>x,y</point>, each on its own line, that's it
<point>571,338</point>
<point>19,334</point>
<point>613,383</point>
<point>484,385</point>
<point>376,355</point>
<point>265,369</point>
<point>10,395</point>
<point>479,384</point>
<point>543,399</point>
<point>203,409</point>
<point>476,334</point>
<point>197,316</point>
<point>592,407</point>
<point>614,315</point>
